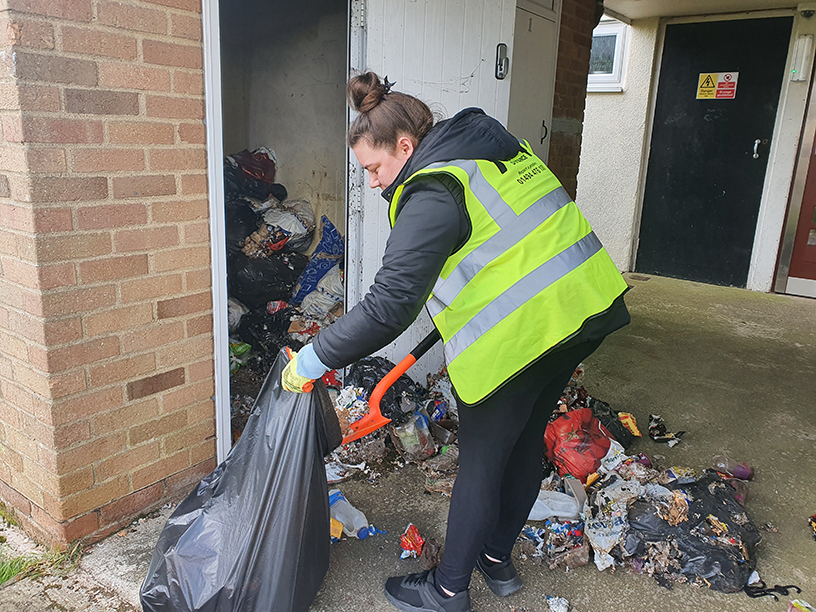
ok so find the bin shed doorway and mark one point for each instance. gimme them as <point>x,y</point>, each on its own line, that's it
<point>283,76</point>
<point>283,87</point>
<point>714,117</point>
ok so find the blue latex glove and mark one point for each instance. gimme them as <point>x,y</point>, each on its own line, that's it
<point>309,364</point>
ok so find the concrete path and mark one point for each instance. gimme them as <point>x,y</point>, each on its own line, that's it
<point>736,370</point>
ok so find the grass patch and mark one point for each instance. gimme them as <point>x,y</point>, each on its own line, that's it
<point>9,568</point>
<point>6,515</point>
<point>54,562</point>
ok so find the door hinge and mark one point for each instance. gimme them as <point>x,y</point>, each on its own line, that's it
<point>358,18</point>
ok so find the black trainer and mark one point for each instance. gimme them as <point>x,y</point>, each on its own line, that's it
<point>502,578</point>
<point>417,593</point>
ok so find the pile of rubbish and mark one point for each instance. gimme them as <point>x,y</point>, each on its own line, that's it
<point>277,295</point>
<point>423,427</point>
<point>669,523</point>
<point>599,503</point>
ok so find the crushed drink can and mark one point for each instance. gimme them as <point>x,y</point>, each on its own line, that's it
<point>275,306</point>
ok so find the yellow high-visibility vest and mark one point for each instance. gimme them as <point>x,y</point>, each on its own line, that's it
<point>528,278</point>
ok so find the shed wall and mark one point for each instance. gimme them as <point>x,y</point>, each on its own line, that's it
<point>298,104</point>
<point>283,76</point>
<point>105,308</point>
<point>578,18</point>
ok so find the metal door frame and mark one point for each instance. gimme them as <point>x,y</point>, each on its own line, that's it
<point>355,177</point>
<point>797,195</point>
<point>781,156</point>
<point>211,25</point>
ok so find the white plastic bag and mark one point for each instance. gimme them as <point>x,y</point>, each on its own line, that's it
<point>554,503</point>
<point>329,291</point>
<point>235,311</point>
<point>332,283</point>
<point>317,304</point>
<point>604,532</point>
<point>296,219</point>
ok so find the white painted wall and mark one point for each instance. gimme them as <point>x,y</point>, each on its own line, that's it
<point>283,87</point>
<point>235,75</point>
<point>614,144</point>
<point>297,100</point>
<point>615,129</point>
<point>443,53</point>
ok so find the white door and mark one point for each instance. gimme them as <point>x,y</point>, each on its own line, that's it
<point>444,53</point>
<point>532,74</point>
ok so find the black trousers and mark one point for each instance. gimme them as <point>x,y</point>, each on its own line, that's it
<point>500,465</point>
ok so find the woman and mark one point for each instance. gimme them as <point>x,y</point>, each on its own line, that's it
<point>519,288</point>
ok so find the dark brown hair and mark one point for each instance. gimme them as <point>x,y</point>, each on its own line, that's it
<point>385,115</point>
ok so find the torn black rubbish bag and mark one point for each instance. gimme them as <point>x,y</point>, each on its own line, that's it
<point>713,544</point>
<point>401,399</point>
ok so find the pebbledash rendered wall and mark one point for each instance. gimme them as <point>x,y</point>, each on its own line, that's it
<point>106,346</point>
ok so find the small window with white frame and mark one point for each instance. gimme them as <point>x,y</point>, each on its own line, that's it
<point>606,59</point>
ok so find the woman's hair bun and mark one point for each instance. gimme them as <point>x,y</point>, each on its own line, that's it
<point>385,115</point>
<point>365,91</point>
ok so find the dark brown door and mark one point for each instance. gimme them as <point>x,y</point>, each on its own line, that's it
<point>713,123</point>
<point>803,258</point>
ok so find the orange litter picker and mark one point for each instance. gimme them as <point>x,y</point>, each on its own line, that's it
<point>375,419</point>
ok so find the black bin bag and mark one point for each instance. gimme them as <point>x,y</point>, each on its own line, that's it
<point>254,534</point>
<point>715,547</point>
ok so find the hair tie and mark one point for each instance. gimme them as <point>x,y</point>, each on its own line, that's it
<point>388,85</point>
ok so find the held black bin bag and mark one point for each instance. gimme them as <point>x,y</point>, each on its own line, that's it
<point>254,534</point>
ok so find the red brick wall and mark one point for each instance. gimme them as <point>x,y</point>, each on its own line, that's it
<point>574,44</point>
<point>105,308</point>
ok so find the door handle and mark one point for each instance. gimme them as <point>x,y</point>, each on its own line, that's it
<point>502,61</point>
<point>544,130</point>
<point>756,145</point>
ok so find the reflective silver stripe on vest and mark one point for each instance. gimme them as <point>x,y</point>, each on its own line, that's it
<point>522,292</point>
<point>511,233</point>
<point>499,210</point>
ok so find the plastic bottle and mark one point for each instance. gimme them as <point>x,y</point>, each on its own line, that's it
<point>415,438</point>
<point>355,523</point>
<point>732,467</point>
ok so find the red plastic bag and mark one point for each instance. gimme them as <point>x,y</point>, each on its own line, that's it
<point>576,442</point>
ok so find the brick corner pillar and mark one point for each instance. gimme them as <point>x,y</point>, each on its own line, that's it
<point>572,69</point>
<point>106,346</point>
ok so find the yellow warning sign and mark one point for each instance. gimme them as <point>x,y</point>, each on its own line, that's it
<point>707,85</point>
<point>719,85</point>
